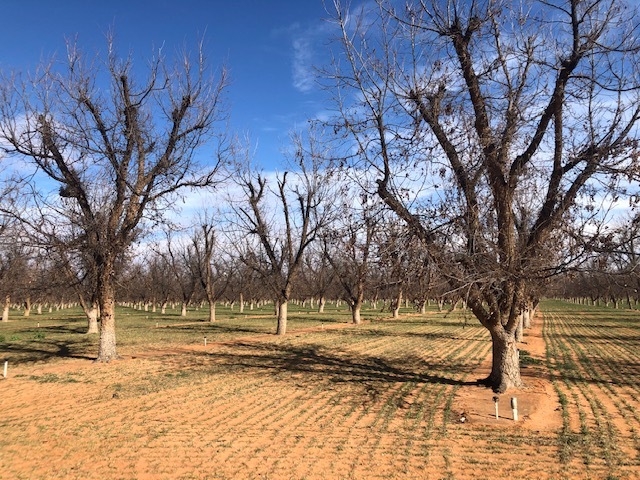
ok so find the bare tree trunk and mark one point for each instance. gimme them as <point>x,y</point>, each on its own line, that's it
<point>27,307</point>
<point>183,312</point>
<point>212,311</point>
<point>241,303</point>
<point>356,307</point>
<point>106,300</point>
<point>39,309</point>
<point>282,317</point>
<point>396,306</point>
<point>505,371</point>
<point>92,317</point>
<point>321,304</point>
<point>5,311</point>
<point>520,327</point>
<point>526,316</point>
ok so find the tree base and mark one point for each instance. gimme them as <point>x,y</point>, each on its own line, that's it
<point>496,385</point>
<point>107,358</point>
<point>92,328</point>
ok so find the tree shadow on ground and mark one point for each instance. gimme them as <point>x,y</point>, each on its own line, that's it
<point>43,350</point>
<point>335,366</point>
<point>214,328</point>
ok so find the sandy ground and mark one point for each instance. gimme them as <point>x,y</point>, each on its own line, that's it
<point>231,411</point>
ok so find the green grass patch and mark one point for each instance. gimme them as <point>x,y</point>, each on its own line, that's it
<point>54,378</point>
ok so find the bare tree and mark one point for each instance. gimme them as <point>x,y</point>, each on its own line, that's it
<point>351,245</point>
<point>118,148</point>
<point>318,274</point>
<point>78,271</point>
<point>13,262</point>
<point>181,257</point>
<point>283,229</point>
<point>160,278</point>
<point>214,274</point>
<point>487,124</point>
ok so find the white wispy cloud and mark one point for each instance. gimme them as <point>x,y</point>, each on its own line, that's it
<point>302,68</point>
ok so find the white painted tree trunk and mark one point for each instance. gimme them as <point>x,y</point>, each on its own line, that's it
<point>526,318</point>
<point>27,307</point>
<point>396,306</point>
<point>212,311</point>
<point>92,317</point>
<point>356,308</point>
<point>520,327</point>
<point>282,318</point>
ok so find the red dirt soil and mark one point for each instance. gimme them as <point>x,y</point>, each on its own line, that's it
<point>209,412</point>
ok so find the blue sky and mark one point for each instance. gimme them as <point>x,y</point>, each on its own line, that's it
<point>269,47</point>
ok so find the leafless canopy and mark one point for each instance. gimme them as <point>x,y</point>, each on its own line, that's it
<point>116,145</point>
<point>490,123</point>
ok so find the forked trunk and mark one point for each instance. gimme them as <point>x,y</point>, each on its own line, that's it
<point>106,300</point>
<point>505,370</point>
<point>282,317</point>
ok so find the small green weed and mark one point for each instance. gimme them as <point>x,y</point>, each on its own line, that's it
<point>526,359</point>
<point>53,378</point>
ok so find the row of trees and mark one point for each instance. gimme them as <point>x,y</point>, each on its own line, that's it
<point>496,132</point>
<point>173,273</point>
